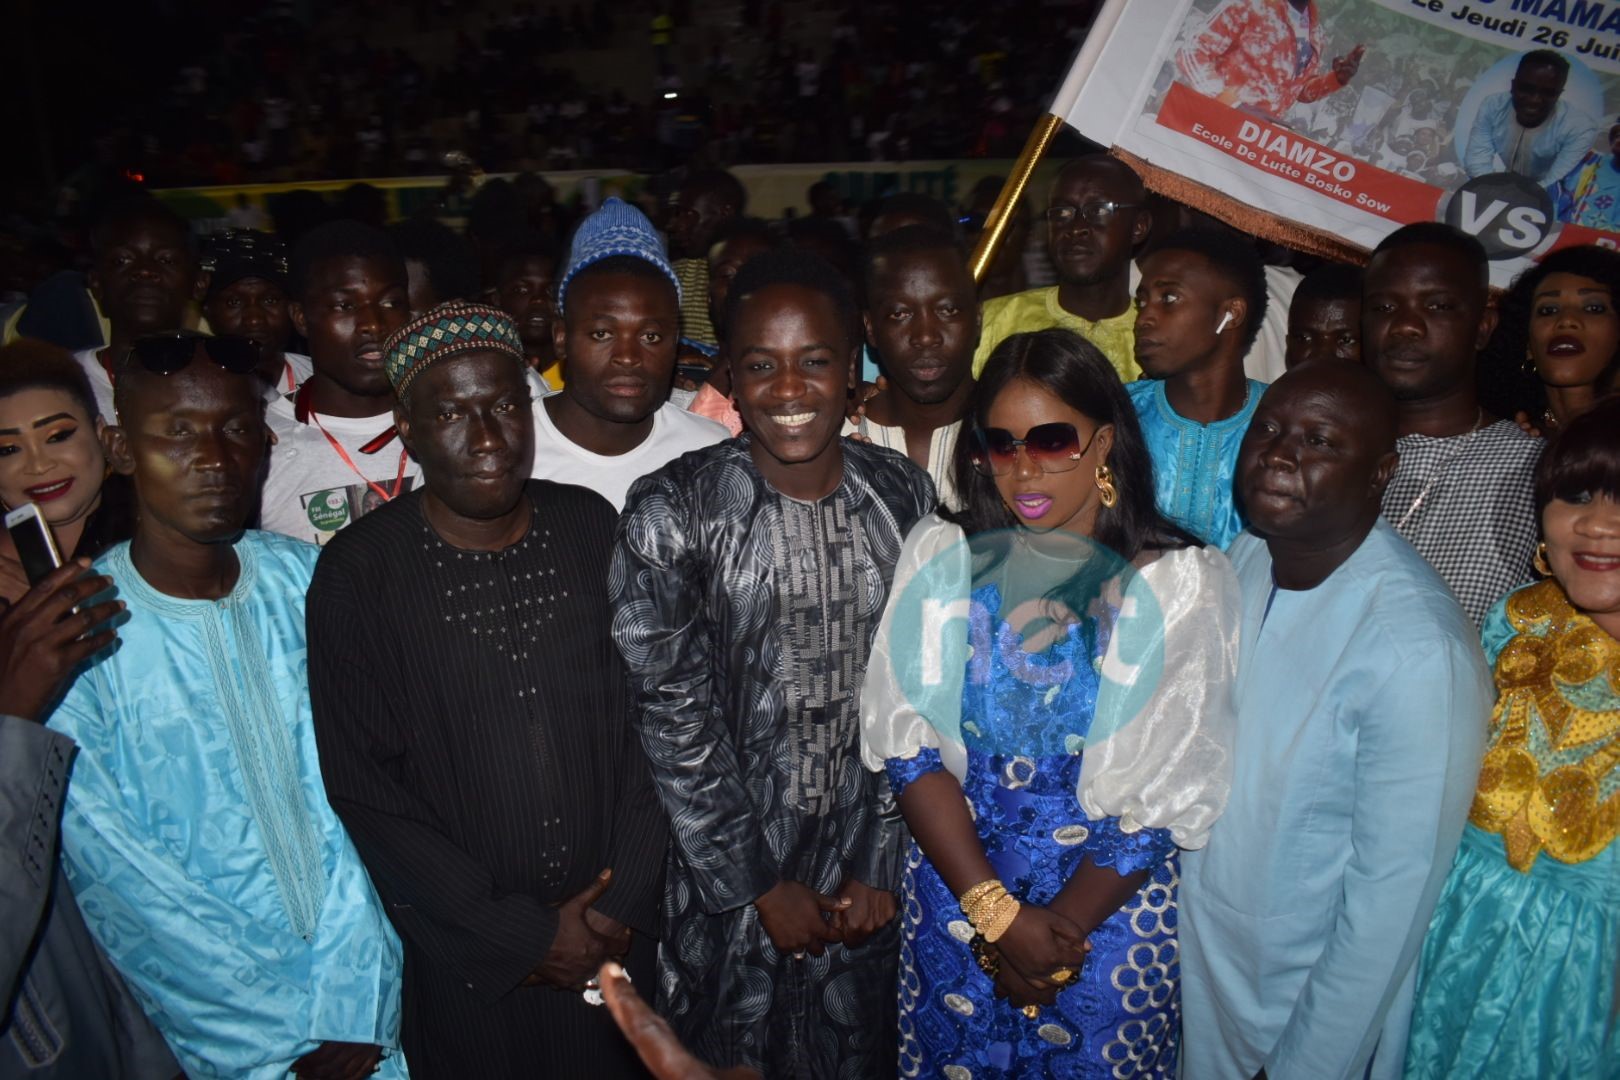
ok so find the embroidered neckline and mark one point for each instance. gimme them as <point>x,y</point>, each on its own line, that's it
<point>133,587</point>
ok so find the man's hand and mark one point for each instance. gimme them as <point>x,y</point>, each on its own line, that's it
<point>869,911</point>
<point>652,1036</point>
<point>576,950</point>
<point>611,930</point>
<point>856,405</point>
<point>42,641</point>
<point>1345,67</point>
<point>338,1061</point>
<point>793,915</point>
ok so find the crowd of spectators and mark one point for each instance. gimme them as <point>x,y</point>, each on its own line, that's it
<point>365,89</point>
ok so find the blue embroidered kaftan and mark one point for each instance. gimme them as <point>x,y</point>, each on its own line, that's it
<point>197,835</point>
<point>1193,463</point>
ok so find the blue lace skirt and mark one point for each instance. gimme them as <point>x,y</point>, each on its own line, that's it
<point>1121,1018</point>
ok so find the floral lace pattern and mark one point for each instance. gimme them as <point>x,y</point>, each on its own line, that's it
<point>1025,736</point>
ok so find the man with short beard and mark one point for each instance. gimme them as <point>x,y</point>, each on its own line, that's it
<point>1096,217</point>
<point>474,725</point>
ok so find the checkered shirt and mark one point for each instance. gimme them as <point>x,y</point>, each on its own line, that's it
<point>1477,526</point>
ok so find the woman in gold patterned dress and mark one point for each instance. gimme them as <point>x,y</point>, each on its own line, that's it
<point>1517,976</point>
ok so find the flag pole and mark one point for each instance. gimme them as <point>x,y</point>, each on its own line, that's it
<point>1046,129</point>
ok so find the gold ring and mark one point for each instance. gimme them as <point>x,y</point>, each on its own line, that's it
<point>1062,975</point>
<point>1032,1011</point>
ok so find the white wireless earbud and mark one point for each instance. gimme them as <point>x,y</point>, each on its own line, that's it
<point>1226,320</point>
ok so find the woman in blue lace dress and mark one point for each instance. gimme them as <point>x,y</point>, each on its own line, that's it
<point>1062,656</point>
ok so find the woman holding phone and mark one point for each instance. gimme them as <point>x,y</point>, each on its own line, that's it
<point>51,456</point>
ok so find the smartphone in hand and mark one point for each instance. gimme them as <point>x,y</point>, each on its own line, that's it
<point>36,547</point>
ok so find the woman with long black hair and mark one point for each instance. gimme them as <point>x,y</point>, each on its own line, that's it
<point>1050,694</point>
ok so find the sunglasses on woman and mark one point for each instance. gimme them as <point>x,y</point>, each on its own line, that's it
<point>1054,447</point>
<point>165,354</point>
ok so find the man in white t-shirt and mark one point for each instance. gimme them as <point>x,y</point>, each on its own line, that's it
<point>337,456</point>
<point>144,274</point>
<point>612,423</point>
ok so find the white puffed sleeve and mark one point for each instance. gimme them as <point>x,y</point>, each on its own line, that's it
<point>1159,753</point>
<point>912,697</point>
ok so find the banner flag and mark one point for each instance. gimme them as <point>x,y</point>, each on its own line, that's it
<point>1327,124</point>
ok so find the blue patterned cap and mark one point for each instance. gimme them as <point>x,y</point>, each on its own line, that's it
<point>439,333</point>
<point>616,228</point>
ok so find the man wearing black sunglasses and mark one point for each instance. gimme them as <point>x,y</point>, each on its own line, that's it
<point>197,835</point>
<point>1095,218</point>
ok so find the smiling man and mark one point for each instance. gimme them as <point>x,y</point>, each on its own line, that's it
<point>922,321</point>
<point>474,725</point>
<point>336,455</point>
<point>1464,494</point>
<point>613,423</point>
<point>1530,129</point>
<point>1198,309</point>
<point>197,837</point>
<point>1362,695</point>
<point>1095,218</point>
<point>748,579</point>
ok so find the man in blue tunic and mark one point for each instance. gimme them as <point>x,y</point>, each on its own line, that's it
<point>1362,697</point>
<point>197,836</point>
<point>1199,307</point>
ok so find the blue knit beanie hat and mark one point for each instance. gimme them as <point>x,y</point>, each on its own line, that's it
<point>615,228</point>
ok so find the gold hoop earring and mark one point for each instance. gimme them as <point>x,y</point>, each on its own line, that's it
<point>1540,560</point>
<point>1106,491</point>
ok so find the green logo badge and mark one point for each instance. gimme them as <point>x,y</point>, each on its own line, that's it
<point>328,510</point>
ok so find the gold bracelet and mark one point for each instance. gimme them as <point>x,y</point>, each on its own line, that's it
<point>978,893</point>
<point>982,908</point>
<point>980,900</point>
<point>1001,918</point>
